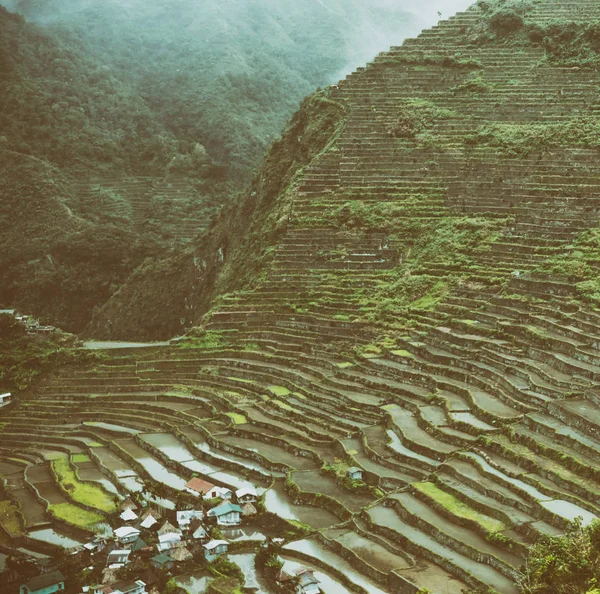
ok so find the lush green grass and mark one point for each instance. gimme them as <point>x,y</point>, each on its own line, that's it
<point>279,391</point>
<point>403,353</point>
<point>345,365</point>
<point>458,508</point>
<point>75,458</point>
<point>80,492</point>
<point>237,418</point>
<point>75,515</point>
<point>10,518</point>
<point>284,406</point>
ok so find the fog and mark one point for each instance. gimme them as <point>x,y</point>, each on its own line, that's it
<point>368,26</point>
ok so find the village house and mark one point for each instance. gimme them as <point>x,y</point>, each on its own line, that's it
<point>126,535</point>
<point>47,583</point>
<point>307,583</point>
<point>246,495</point>
<point>128,516</point>
<point>185,518</point>
<point>96,545</point>
<point>219,493</point>
<point>168,528</point>
<point>168,541</point>
<point>140,545</point>
<point>214,548</point>
<point>118,558</point>
<point>123,587</point>
<point>181,554</point>
<point>249,510</point>
<point>226,514</point>
<point>148,520</point>
<point>197,531</point>
<point>354,473</point>
<point>198,487</point>
<point>162,562</point>
<point>5,398</point>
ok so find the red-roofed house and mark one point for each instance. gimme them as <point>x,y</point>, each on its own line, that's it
<point>198,487</point>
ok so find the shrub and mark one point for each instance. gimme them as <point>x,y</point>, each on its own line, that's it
<point>506,22</point>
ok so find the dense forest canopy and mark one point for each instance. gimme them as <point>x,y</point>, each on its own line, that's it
<point>188,88</point>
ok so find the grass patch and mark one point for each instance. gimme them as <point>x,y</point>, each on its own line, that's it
<point>75,515</point>
<point>284,406</point>
<point>403,353</point>
<point>76,458</point>
<point>95,444</point>
<point>237,418</point>
<point>279,391</point>
<point>458,508</point>
<point>80,492</point>
<point>344,365</point>
<point>241,379</point>
<point>10,518</point>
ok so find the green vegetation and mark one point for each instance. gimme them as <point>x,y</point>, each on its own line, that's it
<point>24,357</point>
<point>516,140</point>
<point>279,391</point>
<point>84,493</point>
<point>75,515</point>
<point>568,564</point>
<point>77,458</point>
<point>237,418</point>
<point>417,116</point>
<point>458,508</point>
<point>10,518</point>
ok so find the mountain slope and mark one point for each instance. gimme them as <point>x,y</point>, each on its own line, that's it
<point>156,117</point>
<point>413,297</point>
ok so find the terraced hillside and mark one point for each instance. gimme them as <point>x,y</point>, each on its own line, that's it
<point>171,207</point>
<point>421,320</point>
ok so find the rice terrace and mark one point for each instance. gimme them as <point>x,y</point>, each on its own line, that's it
<point>389,381</point>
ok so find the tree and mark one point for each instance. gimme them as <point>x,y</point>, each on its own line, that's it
<point>568,564</point>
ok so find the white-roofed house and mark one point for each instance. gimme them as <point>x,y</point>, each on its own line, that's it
<point>148,522</point>
<point>169,541</point>
<point>128,516</point>
<point>185,518</point>
<point>118,558</point>
<point>246,495</point>
<point>126,534</point>
<point>221,492</point>
<point>214,548</point>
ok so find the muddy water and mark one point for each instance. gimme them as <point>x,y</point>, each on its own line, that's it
<point>318,551</point>
<point>111,427</point>
<point>242,534</point>
<point>471,419</point>
<point>279,502</point>
<point>396,446</point>
<point>156,470</point>
<point>195,583</point>
<point>568,510</point>
<point>174,449</point>
<point>252,579</point>
<point>97,345</point>
<point>388,518</point>
<point>53,537</point>
<point>327,583</point>
<point>220,455</point>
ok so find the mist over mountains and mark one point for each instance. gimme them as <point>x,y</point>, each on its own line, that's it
<point>191,89</point>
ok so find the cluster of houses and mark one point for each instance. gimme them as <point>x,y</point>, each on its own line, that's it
<point>182,539</point>
<point>32,325</point>
<point>173,543</point>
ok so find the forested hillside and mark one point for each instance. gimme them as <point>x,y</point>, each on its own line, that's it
<point>153,115</point>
